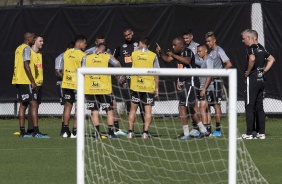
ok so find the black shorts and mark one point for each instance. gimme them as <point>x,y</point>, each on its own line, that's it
<point>94,102</point>
<point>69,95</point>
<point>209,97</point>
<point>26,94</point>
<point>218,90</point>
<point>60,92</point>
<point>188,95</point>
<point>143,98</point>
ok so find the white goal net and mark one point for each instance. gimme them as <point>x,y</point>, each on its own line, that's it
<point>163,158</point>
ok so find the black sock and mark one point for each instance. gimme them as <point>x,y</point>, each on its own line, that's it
<point>74,131</point>
<point>22,129</point>
<point>111,129</point>
<point>29,131</point>
<point>66,128</point>
<point>147,132</point>
<point>195,126</point>
<point>116,125</point>
<point>208,127</point>
<point>218,126</point>
<point>35,130</point>
<point>97,127</point>
<point>96,132</point>
<point>130,131</point>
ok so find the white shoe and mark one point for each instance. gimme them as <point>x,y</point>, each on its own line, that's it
<point>145,136</point>
<point>194,133</point>
<point>73,136</point>
<point>120,132</point>
<point>260,136</point>
<point>245,136</point>
<point>65,135</point>
<point>130,135</point>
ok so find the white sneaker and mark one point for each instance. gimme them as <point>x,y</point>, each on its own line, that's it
<point>130,135</point>
<point>73,136</point>
<point>65,135</point>
<point>145,136</point>
<point>194,133</point>
<point>260,136</point>
<point>120,132</point>
<point>245,136</point>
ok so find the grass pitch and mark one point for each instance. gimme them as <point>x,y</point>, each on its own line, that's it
<point>54,160</point>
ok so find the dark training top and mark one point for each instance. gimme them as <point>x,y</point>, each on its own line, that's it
<point>187,53</point>
<point>260,56</point>
<point>124,51</point>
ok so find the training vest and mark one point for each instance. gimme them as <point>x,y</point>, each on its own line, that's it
<point>36,63</point>
<point>20,76</point>
<point>143,60</point>
<point>97,84</point>
<point>72,61</point>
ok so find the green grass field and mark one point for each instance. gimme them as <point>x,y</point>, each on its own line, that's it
<point>54,160</point>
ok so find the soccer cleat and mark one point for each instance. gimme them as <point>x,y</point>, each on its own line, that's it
<point>180,135</point>
<point>146,136</point>
<point>130,135</point>
<point>97,135</point>
<point>65,135</point>
<point>25,135</point>
<point>185,137</point>
<point>205,134</point>
<point>73,136</point>
<point>260,136</point>
<point>112,136</point>
<point>194,133</point>
<point>39,135</point>
<point>245,136</point>
<point>216,133</point>
<point>120,132</point>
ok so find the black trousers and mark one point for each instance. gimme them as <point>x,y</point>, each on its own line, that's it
<point>254,105</point>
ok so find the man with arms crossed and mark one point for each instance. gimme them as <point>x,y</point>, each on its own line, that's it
<point>123,54</point>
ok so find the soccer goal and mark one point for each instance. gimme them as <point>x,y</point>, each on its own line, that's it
<point>163,158</point>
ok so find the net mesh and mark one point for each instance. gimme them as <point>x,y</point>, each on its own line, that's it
<point>163,158</point>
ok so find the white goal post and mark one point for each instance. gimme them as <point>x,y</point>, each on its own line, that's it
<point>232,120</point>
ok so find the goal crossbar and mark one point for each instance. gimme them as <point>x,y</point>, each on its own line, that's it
<point>232,120</point>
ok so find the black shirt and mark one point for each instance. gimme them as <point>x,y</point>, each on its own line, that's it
<point>124,51</point>
<point>260,58</point>
<point>187,53</point>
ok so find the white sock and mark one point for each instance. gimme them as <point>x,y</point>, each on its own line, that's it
<point>202,128</point>
<point>186,130</point>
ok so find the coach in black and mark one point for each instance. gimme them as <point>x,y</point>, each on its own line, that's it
<point>259,61</point>
<point>186,85</point>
